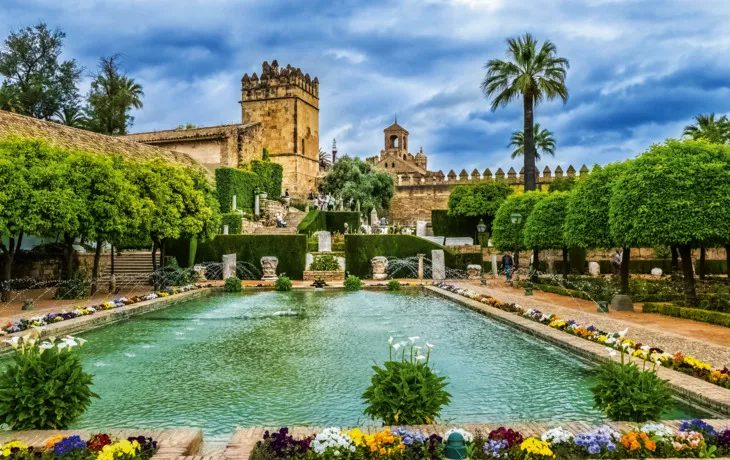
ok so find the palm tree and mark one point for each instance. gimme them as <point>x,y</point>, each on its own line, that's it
<point>73,117</point>
<point>533,73</point>
<point>544,142</point>
<point>325,160</point>
<point>10,100</point>
<point>706,127</point>
<point>133,91</point>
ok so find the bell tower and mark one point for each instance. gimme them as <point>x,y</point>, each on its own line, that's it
<point>396,139</point>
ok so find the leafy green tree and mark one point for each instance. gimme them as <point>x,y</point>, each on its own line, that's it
<point>587,222</point>
<point>675,193</point>
<point>184,127</point>
<point>112,96</point>
<point>544,226</point>
<point>480,200</point>
<point>29,61</point>
<point>544,142</point>
<point>352,178</point>
<point>561,184</point>
<point>535,73</point>
<point>507,236</point>
<point>708,128</point>
<point>10,99</point>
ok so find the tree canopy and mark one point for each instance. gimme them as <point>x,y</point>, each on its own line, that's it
<point>112,96</point>
<point>36,83</point>
<point>544,226</point>
<point>507,236</point>
<point>586,222</point>
<point>352,178</point>
<point>478,200</point>
<point>710,129</point>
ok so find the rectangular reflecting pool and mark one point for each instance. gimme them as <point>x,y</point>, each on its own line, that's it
<point>304,358</point>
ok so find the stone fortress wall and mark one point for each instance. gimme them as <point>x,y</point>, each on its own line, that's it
<point>417,194</point>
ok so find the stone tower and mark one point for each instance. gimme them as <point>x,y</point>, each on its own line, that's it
<point>396,139</point>
<point>286,102</point>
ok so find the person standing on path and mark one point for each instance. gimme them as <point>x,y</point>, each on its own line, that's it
<point>507,266</point>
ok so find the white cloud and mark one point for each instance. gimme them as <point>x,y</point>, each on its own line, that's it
<point>351,56</point>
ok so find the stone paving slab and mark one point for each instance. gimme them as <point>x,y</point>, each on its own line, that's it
<point>700,392</point>
<point>171,443</point>
<point>104,317</point>
<point>246,438</point>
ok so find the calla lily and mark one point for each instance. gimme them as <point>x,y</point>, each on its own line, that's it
<point>413,339</point>
<point>81,341</point>
<point>611,352</point>
<point>623,333</point>
<point>429,345</point>
<point>390,340</point>
<point>397,346</point>
<point>13,342</point>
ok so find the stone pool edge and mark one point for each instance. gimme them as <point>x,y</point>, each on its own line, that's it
<point>706,395</point>
<point>103,318</point>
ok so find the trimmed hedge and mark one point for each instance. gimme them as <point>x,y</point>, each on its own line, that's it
<point>696,314</point>
<point>360,249</point>
<point>291,251</point>
<point>332,221</point>
<point>262,176</point>
<point>455,226</point>
<point>183,250</point>
<point>233,220</point>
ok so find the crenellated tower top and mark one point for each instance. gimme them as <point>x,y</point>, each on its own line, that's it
<point>273,78</point>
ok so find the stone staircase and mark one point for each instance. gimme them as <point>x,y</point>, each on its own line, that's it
<point>293,219</point>
<point>130,268</point>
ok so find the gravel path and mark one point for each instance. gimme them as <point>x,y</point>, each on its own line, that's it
<point>717,355</point>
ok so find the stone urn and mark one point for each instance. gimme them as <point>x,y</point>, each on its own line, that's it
<point>199,274</point>
<point>474,271</point>
<point>268,267</point>
<point>380,264</point>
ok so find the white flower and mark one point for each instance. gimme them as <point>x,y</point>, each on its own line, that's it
<point>44,346</point>
<point>81,341</point>
<point>658,429</point>
<point>623,333</point>
<point>645,347</point>
<point>396,346</point>
<point>420,357</point>
<point>429,345</point>
<point>337,453</point>
<point>611,352</point>
<point>468,437</point>
<point>13,342</point>
<point>390,340</point>
<point>557,436</point>
<point>413,339</point>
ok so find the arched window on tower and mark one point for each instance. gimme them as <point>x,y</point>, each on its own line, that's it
<point>386,165</point>
<point>393,165</point>
<point>394,141</point>
<point>404,156</point>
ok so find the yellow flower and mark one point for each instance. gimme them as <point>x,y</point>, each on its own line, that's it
<point>117,449</point>
<point>536,447</point>
<point>7,448</point>
<point>51,442</point>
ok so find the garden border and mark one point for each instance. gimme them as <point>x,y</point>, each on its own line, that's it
<point>103,318</point>
<point>707,395</point>
<point>172,443</point>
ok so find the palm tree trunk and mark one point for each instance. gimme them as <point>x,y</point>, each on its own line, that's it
<point>529,143</point>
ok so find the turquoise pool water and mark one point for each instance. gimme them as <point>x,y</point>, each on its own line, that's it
<point>304,358</point>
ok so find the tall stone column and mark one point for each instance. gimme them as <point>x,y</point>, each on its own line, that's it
<point>420,266</point>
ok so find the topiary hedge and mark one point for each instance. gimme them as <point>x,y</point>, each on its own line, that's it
<point>233,220</point>
<point>360,249</point>
<point>455,226</point>
<point>259,176</point>
<point>183,250</point>
<point>332,221</point>
<point>291,251</point>
<point>696,314</point>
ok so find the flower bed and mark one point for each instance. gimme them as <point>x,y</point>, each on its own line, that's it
<point>100,446</point>
<point>51,318</point>
<point>695,438</point>
<point>616,341</point>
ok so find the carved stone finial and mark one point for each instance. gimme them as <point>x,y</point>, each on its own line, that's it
<point>316,81</point>
<point>571,171</point>
<point>475,174</point>
<point>245,78</point>
<point>451,175</point>
<point>275,64</point>
<point>546,172</point>
<point>584,171</point>
<point>254,78</point>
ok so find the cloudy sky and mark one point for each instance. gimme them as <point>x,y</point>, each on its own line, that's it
<point>640,69</point>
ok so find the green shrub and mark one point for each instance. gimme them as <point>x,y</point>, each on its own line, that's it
<point>172,275</point>
<point>78,287</point>
<point>353,283</point>
<point>282,284</point>
<point>232,284</point>
<point>233,220</point>
<point>696,314</point>
<point>44,388</point>
<point>393,285</point>
<point>331,221</point>
<point>260,176</point>
<point>444,224</point>
<point>291,250</point>
<point>405,391</point>
<point>325,263</point>
<point>627,393</point>
<point>270,176</point>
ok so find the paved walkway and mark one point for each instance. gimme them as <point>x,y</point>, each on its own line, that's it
<point>706,342</point>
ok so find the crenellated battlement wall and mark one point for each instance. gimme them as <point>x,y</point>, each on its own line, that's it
<point>511,177</point>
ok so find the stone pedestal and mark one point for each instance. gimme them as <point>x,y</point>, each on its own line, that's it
<point>622,303</point>
<point>233,206</point>
<point>225,229</point>
<point>374,218</point>
<point>473,271</point>
<point>380,264</point>
<point>495,269</point>
<point>325,241</point>
<point>199,274</point>
<point>420,266</point>
<point>256,205</point>
<point>268,267</point>
<point>421,228</point>
<point>229,265</point>
<point>438,265</point>
<point>594,268</point>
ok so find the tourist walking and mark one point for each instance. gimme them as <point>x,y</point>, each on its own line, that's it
<point>507,264</point>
